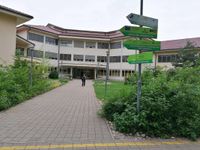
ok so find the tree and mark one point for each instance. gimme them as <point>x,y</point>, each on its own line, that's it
<point>188,56</point>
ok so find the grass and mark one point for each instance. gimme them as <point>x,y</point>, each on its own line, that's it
<point>114,89</point>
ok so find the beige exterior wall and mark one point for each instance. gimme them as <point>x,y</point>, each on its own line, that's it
<point>23,34</point>
<point>7,39</point>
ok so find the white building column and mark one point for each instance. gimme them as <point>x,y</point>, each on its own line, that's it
<point>95,73</point>
<point>120,73</point>
<point>44,47</point>
<point>25,51</point>
<point>96,45</point>
<point>71,72</point>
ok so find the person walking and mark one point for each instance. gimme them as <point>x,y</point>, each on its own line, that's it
<point>83,80</point>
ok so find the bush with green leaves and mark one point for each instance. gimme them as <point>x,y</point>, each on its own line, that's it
<point>170,105</point>
<point>15,84</point>
<point>187,56</point>
<point>53,74</point>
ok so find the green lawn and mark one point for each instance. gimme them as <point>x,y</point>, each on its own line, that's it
<point>114,88</point>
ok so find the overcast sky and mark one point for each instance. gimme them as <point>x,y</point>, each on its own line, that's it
<point>177,18</point>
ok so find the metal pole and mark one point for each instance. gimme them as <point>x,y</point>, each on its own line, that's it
<point>139,84</point>
<point>31,69</point>
<point>107,69</point>
<point>97,70</point>
<point>58,57</point>
<point>141,7</point>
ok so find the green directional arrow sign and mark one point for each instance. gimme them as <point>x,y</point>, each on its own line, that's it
<point>146,57</point>
<point>142,45</point>
<point>139,32</point>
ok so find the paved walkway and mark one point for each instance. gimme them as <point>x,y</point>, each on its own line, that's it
<point>67,118</point>
<point>65,115</point>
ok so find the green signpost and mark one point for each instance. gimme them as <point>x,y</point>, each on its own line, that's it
<point>139,32</point>
<point>146,57</point>
<point>146,45</point>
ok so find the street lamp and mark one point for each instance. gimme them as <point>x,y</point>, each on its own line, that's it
<point>107,68</point>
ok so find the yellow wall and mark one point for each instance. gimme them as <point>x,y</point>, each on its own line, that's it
<point>7,39</point>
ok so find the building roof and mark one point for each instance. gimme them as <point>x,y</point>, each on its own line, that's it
<point>21,17</point>
<point>111,35</point>
<point>50,28</point>
<point>178,44</point>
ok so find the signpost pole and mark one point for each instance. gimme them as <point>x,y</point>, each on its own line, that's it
<point>31,69</point>
<point>58,58</point>
<point>107,70</point>
<point>139,86</point>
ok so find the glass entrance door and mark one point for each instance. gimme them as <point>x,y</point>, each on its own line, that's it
<point>78,73</point>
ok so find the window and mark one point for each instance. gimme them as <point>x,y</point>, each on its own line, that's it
<point>115,73</point>
<point>35,37</point>
<point>101,58</point>
<point>78,57</point>
<point>126,73</point>
<point>115,59</point>
<point>36,53</point>
<point>52,69</point>
<point>79,44</point>
<point>103,45</point>
<point>167,58</point>
<point>50,55</point>
<point>90,44</point>
<point>101,72</point>
<point>66,43</point>
<point>124,58</point>
<point>65,57</point>
<point>51,41</point>
<point>90,58</point>
<point>115,45</point>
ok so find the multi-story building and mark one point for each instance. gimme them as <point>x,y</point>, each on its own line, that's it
<point>77,52</point>
<point>169,49</point>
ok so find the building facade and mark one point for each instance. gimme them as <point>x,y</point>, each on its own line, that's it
<point>9,19</point>
<point>169,49</point>
<point>78,52</point>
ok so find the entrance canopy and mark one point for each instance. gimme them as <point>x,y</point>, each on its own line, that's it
<point>80,65</point>
<point>23,43</point>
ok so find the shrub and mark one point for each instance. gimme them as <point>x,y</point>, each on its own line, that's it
<point>110,108</point>
<point>127,121</point>
<point>131,79</point>
<point>117,104</point>
<point>15,83</point>
<point>4,101</point>
<point>53,75</point>
<point>170,105</point>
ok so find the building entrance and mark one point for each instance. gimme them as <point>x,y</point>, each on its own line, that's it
<point>78,73</point>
